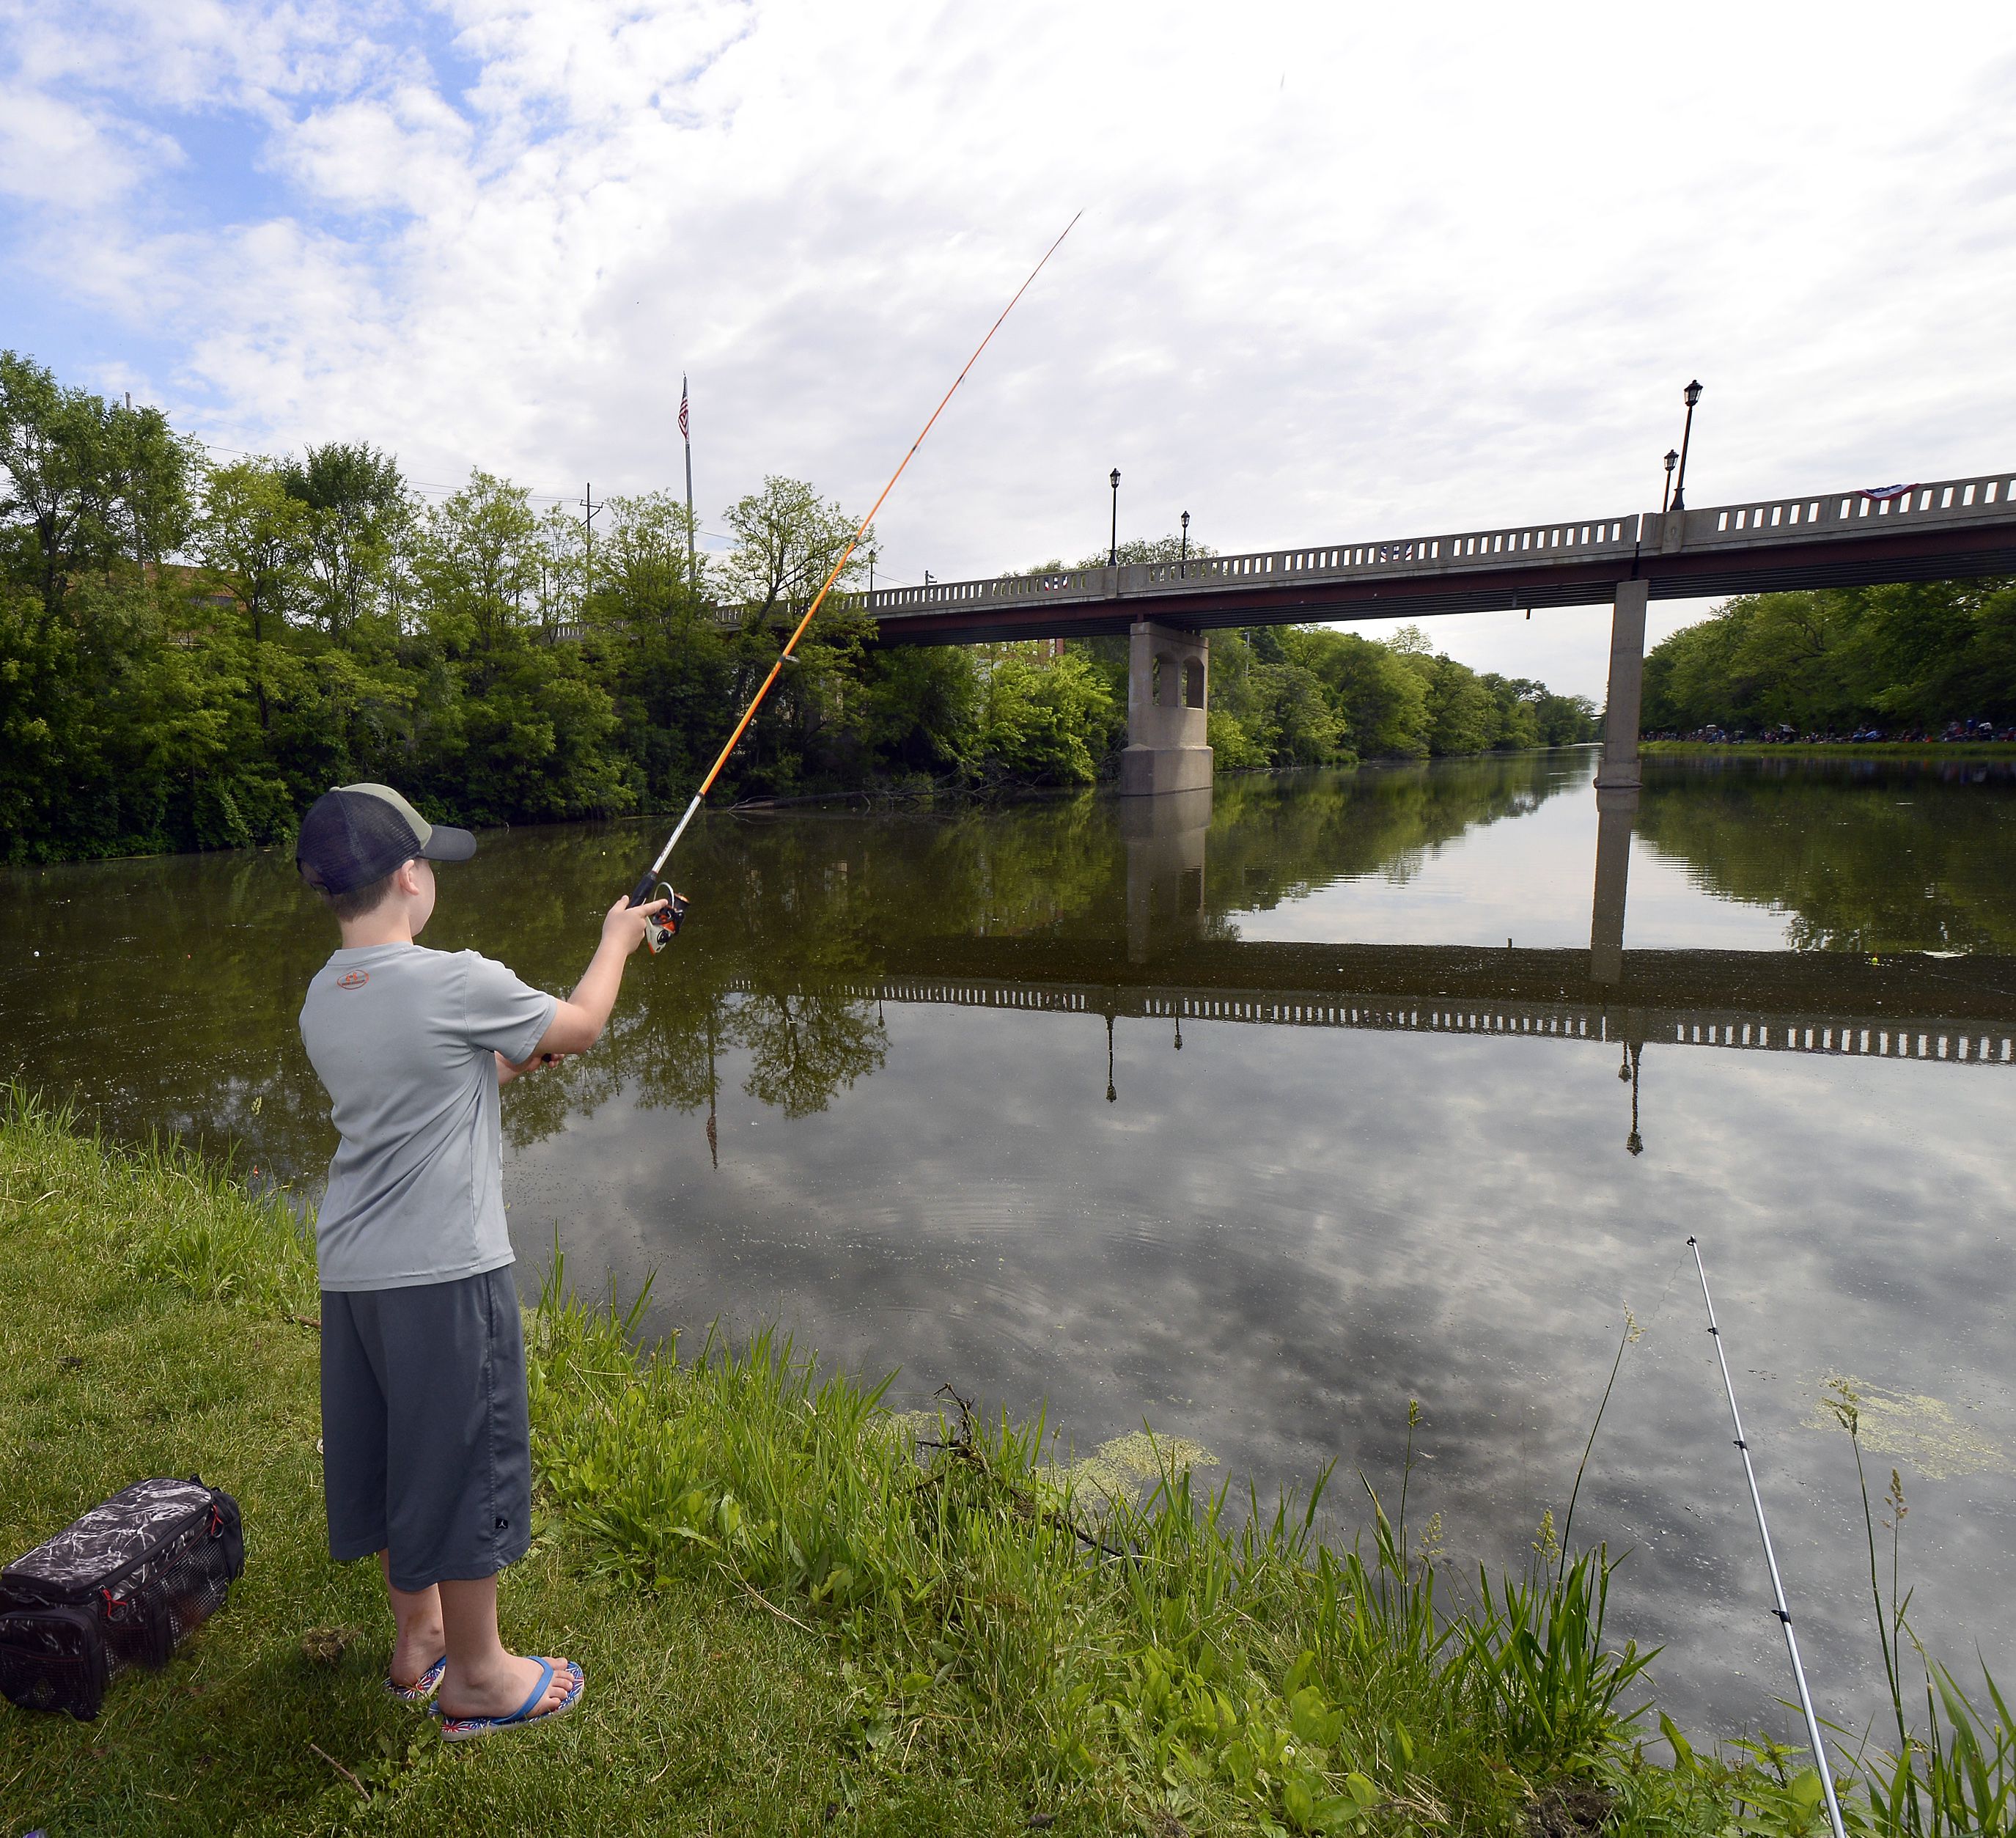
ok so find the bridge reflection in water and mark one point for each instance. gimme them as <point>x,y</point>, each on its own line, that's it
<point>1180,966</point>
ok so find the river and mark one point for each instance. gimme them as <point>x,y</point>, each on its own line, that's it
<point>1254,1117</point>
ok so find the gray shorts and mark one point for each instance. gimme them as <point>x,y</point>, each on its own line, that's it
<point>425,1444</point>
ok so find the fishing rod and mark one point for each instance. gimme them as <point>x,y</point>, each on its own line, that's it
<point>1777,1587</point>
<point>663,926</point>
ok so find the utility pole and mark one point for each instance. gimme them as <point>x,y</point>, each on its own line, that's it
<point>591,508</point>
<point>685,435</point>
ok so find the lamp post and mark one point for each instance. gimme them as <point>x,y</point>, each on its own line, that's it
<point>1692,394</point>
<point>1183,565</point>
<point>1666,496</point>
<point>1113,546</point>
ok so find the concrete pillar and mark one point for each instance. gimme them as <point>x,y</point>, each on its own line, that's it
<point>1164,837</point>
<point>1167,694</point>
<point>1616,812</point>
<point>1619,769</point>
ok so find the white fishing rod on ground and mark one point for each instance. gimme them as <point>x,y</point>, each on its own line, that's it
<point>1770,1558</point>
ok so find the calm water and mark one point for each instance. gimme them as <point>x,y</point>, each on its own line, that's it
<point>1254,1117</point>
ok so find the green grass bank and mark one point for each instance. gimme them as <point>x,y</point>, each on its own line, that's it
<point>1930,752</point>
<point>797,1612</point>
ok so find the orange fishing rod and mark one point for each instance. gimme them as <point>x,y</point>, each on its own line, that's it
<point>666,924</point>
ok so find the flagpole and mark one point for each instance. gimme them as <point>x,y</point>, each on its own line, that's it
<point>692,574</point>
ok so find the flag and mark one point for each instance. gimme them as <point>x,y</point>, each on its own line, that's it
<point>685,431</point>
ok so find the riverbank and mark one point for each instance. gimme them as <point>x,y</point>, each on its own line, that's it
<point>795,1611</point>
<point>1931,752</point>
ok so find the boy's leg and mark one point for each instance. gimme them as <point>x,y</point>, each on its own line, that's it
<point>420,1639</point>
<point>482,1679</point>
<point>458,1479</point>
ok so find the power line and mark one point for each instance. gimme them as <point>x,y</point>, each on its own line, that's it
<point>431,488</point>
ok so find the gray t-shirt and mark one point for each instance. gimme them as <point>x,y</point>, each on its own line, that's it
<point>402,1038</point>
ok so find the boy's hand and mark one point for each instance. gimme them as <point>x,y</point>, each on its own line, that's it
<point>623,925</point>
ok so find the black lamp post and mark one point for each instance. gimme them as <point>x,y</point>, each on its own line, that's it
<point>1113,547</point>
<point>1666,496</point>
<point>1693,394</point>
<point>1183,565</point>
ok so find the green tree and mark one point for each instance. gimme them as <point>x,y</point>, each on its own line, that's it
<point>477,561</point>
<point>254,539</point>
<point>360,520</point>
<point>1044,720</point>
<point>787,539</point>
<point>90,483</point>
<point>1380,697</point>
<point>671,668</point>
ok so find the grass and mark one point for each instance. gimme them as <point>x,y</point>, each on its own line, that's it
<point>1925,750</point>
<point>797,1612</point>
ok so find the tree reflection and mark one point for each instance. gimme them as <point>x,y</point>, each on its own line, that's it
<point>805,1048</point>
<point>165,992</point>
<point>1895,859</point>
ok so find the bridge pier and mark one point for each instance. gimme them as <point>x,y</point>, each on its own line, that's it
<point>1168,670</point>
<point>1619,769</point>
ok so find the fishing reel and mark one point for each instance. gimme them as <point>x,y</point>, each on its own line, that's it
<point>662,927</point>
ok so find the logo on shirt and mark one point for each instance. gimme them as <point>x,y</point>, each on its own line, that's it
<point>355,980</point>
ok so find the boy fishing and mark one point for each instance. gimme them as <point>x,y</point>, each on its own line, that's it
<point>426,1459</point>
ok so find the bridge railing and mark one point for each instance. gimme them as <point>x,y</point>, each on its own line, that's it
<point>1580,541</point>
<point>1984,498</point>
<point>1988,497</point>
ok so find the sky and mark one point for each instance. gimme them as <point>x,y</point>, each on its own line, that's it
<point>1343,272</point>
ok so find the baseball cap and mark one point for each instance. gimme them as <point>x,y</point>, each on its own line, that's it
<point>356,835</point>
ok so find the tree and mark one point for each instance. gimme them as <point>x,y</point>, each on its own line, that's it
<point>672,669</point>
<point>360,517</point>
<point>1378,693</point>
<point>478,562</point>
<point>90,483</point>
<point>787,539</point>
<point>1046,721</point>
<point>255,540</point>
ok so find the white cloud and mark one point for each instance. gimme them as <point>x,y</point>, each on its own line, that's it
<point>1342,272</point>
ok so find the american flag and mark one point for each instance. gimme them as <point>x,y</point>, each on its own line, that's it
<point>685,431</point>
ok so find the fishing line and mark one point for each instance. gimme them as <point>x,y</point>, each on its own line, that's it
<point>1770,1558</point>
<point>664,927</point>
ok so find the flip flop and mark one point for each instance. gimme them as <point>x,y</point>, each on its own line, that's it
<point>423,1688</point>
<point>463,1729</point>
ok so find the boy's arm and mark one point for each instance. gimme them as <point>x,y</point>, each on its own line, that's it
<point>578,1021</point>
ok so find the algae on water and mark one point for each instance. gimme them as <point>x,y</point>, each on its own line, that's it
<point>1121,1468</point>
<point>1911,1427</point>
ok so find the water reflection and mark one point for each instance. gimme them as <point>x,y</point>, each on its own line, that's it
<point>1616,816</point>
<point>1253,1120</point>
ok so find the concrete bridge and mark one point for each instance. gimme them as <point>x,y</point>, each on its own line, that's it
<point>1952,528</point>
